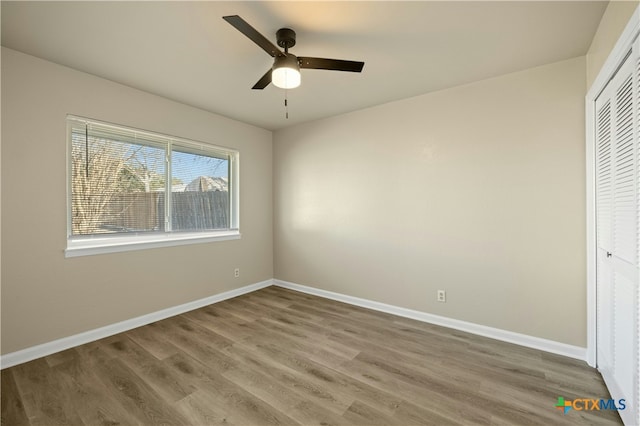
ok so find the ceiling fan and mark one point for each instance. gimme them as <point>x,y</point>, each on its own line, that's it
<point>285,72</point>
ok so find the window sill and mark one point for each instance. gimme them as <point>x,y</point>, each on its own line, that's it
<point>115,244</point>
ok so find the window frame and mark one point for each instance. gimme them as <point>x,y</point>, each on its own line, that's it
<point>85,245</point>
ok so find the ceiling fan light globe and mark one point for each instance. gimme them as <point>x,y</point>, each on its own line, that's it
<point>285,78</point>
<point>286,72</point>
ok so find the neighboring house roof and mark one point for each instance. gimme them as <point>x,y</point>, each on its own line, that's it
<point>208,183</point>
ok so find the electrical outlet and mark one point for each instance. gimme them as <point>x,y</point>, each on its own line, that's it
<point>442,296</point>
<point>236,272</point>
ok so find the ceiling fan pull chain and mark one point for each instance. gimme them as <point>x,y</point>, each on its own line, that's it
<point>286,104</point>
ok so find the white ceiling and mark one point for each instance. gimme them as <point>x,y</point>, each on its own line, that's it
<point>185,51</point>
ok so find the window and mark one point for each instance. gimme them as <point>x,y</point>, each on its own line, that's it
<point>132,189</point>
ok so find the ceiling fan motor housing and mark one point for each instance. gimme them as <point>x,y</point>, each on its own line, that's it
<point>286,38</point>
<point>286,61</point>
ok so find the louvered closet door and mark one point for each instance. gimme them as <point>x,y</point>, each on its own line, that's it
<point>604,207</point>
<point>618,226</point>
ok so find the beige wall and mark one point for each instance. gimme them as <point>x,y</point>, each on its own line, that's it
<point>612,24</point>
<point>46,296</point>
<point>477,190</point>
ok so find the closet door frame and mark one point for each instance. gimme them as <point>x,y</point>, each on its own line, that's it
<point>614,61</point>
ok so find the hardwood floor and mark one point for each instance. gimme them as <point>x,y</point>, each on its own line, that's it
<point>276,356</point>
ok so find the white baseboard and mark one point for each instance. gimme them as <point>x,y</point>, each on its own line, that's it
<point>494,333</point>
<point>34,352</point>
<point>49,348</point>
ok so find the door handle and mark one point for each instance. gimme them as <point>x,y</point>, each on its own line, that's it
<point>608,254</point>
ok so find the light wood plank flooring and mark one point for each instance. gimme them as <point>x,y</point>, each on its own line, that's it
<point>276,356</point>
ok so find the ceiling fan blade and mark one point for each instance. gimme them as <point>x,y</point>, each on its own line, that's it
<point>330,64</point>
<point>264,81</point>
<point>246,29</point>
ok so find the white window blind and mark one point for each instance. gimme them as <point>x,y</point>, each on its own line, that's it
<point>125,183</point>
